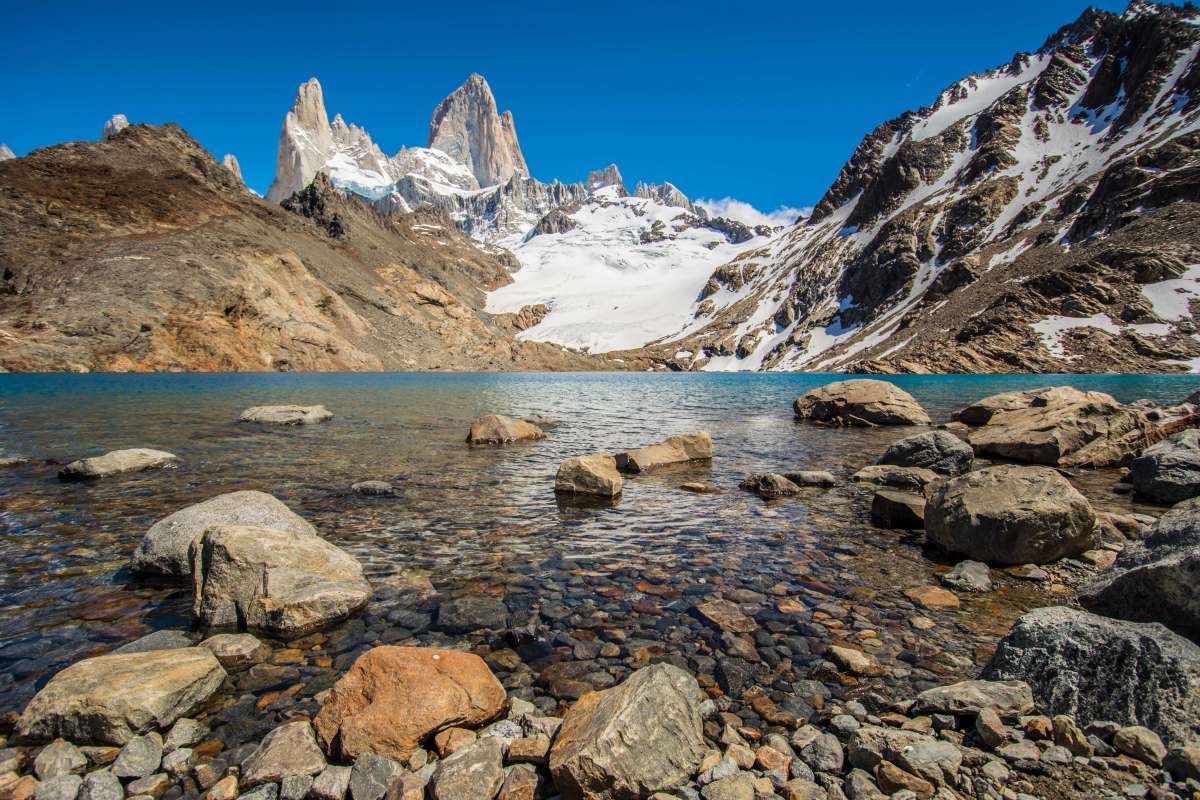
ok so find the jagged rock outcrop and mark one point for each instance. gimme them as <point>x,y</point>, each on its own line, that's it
<point>114,125</point>
<point>230,163</point>
<point>305,143</point>
<point>609,176</point>
<point>469,128</point>
<point>664,193</point>
<point>6,152</point>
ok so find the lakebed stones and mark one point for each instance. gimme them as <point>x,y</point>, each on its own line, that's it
<point>286,415</point>
<point>1169,471</point>
<point>164,548</point>
<point>111,699</point>
<point>495,429</point>
<point>769,485</point>
<point>936,450</point>
<point>683,448</point>
<point>594,474</point>
<point>1055,426</point>
<point>642,736</point>
<point>1095,668</point>
<point>472,612</point>
<point>1011,515</point>
<point>118,462</point>
<point>280,582</point>
<point>862,401</point>
<point>393,698</point>
<point>1156,579</point>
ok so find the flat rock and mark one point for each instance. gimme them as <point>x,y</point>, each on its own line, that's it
<point>1096,668</point>
<point>811,477</point>
<point>726,616</point>
<point>969,576</point>
<point>1011,515</point>
<point>861,401</point>
<point>393,698</point>
<point>939,451</point>
<point>373,489</point>
<point>157,640</point>
<point>282,583</point>
<point>111,699</point>
<point>1008,698</point>
<point>911,478</point>
<point>237,651</point>
<point>289,750</point>
<point>101,785</point>
<point>472,612</point>
<point>62,787</point>
<point>769,485</point>
<point>164,549</point>
<point>286,415</point>
<point>680,449</point>
<point>331,784</point>
<point>932,597</point>
<point>59,758</point>
<point>372,776</point>
<point>496,429</point>
<point>140,757</point>
<point>655,714</point>
<point>1169,472</point>
<point>893,509</point>
<point>595,474</point>
<point>118,462</point>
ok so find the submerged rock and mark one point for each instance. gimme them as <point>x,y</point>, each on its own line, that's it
<point>280,582</point>
<point>680,449</point>
<point>642,736</point>
<point>393,698</point>
<point>117,462</point>
<point>861,401</point>
<point>373,489</point>
<point>111,699</point>
<point>595,474</point>
<point>497,429</point>
<point>769,485</point>
<point>936,450</point>
<point>286,415</point>
<point>1169,472</point>
<point>1011,515</point>
<point>969,576</point>
<point>164,548</point>
<point>1095,668</point>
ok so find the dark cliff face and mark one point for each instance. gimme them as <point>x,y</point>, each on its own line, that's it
<point>936,247</point>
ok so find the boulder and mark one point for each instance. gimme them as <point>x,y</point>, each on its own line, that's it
<point>644,735</point>
<point>1169,472</point>
<point>394,698</point>
<point>1011,515</point>
<point>1156,579</point>
<point>111,699</point>
<point>912,478</point>
<point>164,548</point>
<point>936,450</point>
<point>1095,668</point>
<point>769,485</point>
<point>1056,426</point>
<point>892,509</point>
<point>680,449</point>
<point>289,750</point>
<point>811,477</point>
<point>284,583</point>
<point>286,415</point>
<point>59,758</point>
<point>497,429</point>
<point>594,474</point>
<point>1008,698</point>
<point>118,462</point>
<point>862,401</point>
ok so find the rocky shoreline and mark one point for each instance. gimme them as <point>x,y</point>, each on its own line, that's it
<point>800,690</point>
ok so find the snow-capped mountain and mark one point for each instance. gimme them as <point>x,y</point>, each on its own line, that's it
<point>1041,216</point>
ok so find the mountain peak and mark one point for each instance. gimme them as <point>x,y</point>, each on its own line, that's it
<point>6,153</point>
<point>230,163</point>
<point>305,142</point>
<point>115,124</point>
<point>468,127</point>
<point>609,176</point>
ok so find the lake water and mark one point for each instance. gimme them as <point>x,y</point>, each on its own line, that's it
<point>486,521</point>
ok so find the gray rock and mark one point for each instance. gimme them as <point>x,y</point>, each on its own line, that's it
<point>861,786</point>
<point>1183,763</point>
<point>811,477</point>
<point>1155,580</point>
<point>101,785</point>
<point>939,451</point>
<point>656,713</point>
<point>371,776</point>
<point>289,750</point>
<point>1009,698</point>
<point>1011,515</point>
<point>186,732</point>
<point>295,787</point>
<point>899,510</point>
<point>141,756</point>
<point>735,787</point>
<point>237,651</point>
<point>117,462</point>
<point>373,488</point>
<point>823,754</point>
<point>1095,668</point>
<point>722,769</point>
<point>178,762</point>
<point>59,758</point>
<point>929,758</point>
<point>286,415</point>
<point>769,485</point>
<point>268,791</point>
<point>1169,472</point>
<point>969,576</point>
<point>62,787</point>
<point>474,772</point>
<point>472,612</point>
<point>907,478</point>
<point>164,549</point>
<point>158,640</point>
<point>332,784</point>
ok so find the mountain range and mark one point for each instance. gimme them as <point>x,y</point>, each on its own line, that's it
<point>1038,217</point>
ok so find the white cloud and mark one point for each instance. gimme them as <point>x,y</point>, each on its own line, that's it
<point>745,213</point>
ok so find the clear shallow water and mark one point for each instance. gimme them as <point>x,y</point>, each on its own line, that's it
<point>482,520</point>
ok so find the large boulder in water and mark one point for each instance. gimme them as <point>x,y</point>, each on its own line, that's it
<point>1056,426</point>
<point>164,548</point>
<point>1156,579</point>
<point>286,415</point>
<point>118,462</point>
<point>595,474</point>
<point>111,699</point>
<point>498,429</point>
<point>1010,515</point>
<point>1095,668</point>
<point>939,451</point>
<point>394,698</point>
<point>862,401</point>
<point>642,736</point>
<point>283,583</point>
<point>680,449</point>
<point>1169,471</point>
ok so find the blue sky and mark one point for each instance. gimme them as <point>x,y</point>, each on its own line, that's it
<point>762,101</point>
